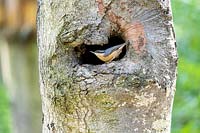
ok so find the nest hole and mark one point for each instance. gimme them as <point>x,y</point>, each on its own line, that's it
<point>85,56</point>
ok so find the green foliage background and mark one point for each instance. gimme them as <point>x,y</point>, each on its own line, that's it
<point>5,120</point>
<point>186,111</point>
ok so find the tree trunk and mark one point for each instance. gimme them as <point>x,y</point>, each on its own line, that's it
<point>82,94</point>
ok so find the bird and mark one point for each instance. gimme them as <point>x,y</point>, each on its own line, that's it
<point>111,53</point>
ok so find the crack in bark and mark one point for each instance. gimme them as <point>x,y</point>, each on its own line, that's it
<point>103,9</point>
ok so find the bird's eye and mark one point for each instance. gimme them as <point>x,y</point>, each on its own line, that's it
<point>85,56</point>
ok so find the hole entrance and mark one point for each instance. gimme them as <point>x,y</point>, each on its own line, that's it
<point>86,57</point>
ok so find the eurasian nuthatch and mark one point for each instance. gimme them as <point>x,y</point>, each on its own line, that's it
<point>109,54</point>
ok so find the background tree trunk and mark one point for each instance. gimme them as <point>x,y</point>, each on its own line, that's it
<point>18,55</point>
<point>133,94</point>
<point>19,67</point>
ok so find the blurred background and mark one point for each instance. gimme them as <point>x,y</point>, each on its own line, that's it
<point>20,104</point>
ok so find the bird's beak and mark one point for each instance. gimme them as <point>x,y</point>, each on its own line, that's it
<point>92,52</point>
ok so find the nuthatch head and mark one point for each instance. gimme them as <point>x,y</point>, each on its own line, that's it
<point>111,53</point>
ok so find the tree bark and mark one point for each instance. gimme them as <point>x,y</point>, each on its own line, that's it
<point>133,94</point>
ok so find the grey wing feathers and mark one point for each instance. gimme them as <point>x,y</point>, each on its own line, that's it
<point>110,50</point>
<point>99,51</point>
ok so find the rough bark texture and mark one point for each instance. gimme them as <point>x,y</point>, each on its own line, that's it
<point>134,94</point>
